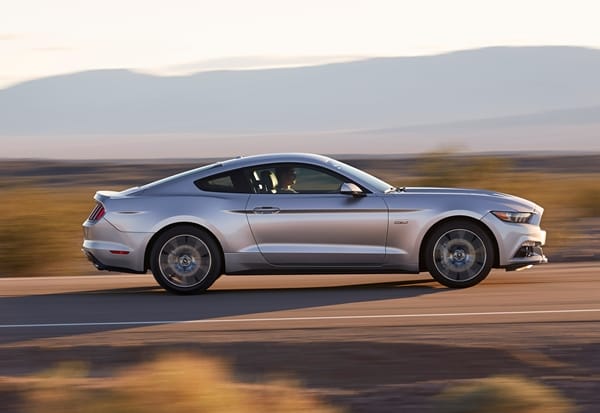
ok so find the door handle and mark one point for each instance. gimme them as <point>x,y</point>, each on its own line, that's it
<point>266,210</point>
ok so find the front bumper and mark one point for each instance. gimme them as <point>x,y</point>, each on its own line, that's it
<point>519,245</point>
<point>526,257</point>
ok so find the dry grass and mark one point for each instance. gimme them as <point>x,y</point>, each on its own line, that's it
<point>189,383</point>
<point>40,230</point>
<point>501,395</point>
<point>173,384</point>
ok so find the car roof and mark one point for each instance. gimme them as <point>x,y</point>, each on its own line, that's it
<point>243,161</point>
<point>235,163</point>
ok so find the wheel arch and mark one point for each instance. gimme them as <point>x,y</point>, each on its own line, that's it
<point>158,233</point>
<point>479,223</point>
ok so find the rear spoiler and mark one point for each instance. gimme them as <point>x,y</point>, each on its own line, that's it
<point>102,196</point>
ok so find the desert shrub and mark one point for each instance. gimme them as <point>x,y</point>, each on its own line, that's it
<point>450,170</point>
<point>501,395</point>
<point>440,169</point>
<point>173,384</point>
<point>23,245</point>
<point>26,235</point>
<point>40,229</point>
<point>486,169</point>
<point>587,201</point>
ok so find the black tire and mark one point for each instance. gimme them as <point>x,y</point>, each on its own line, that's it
<point>185,260</point>
<point>459,254</point>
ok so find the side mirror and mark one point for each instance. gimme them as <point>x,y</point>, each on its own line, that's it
<point>351,189</point>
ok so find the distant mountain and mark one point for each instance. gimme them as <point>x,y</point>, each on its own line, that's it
<point>483,89</point>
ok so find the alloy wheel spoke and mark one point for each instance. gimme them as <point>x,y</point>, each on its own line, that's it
<point>185,260</point>
<point>460,255</point>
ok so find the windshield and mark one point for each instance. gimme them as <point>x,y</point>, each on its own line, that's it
<point>368,179</point>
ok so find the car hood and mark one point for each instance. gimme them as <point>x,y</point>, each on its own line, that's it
<point>451,191</point>
<point>509,201</point>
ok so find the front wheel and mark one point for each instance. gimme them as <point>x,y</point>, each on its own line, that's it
<point>459,254</point>
<point>185,260</point>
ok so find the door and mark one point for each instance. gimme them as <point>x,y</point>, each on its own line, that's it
<point>305,221</point>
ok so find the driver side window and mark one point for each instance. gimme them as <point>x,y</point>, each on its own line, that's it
<point>295,179</point>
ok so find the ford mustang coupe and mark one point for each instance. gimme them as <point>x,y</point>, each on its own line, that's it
<point>304,213</point>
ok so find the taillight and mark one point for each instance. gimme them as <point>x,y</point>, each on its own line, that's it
<point>97,213</point>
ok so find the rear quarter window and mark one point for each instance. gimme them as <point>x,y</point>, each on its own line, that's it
<point>231,182</point>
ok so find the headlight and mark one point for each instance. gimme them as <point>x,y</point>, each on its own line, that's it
<point>513,217</point>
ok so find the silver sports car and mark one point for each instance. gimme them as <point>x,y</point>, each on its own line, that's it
<point>302,213</point>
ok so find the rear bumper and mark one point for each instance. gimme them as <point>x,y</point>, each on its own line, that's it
<point>103,267</point>
<point>110,249</point>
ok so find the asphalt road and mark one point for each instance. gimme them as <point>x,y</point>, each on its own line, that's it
<point>365,342</point>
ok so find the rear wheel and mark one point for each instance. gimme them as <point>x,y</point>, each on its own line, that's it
<point>459,254</point>
<point>185,260</point>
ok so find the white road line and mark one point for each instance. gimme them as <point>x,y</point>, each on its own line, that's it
<point>278,319</point>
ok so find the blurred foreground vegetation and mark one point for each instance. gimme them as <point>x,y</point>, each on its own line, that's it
<point>43,203</point>
<point>173,384</point>
<point>502,395</point>
<point>190,383</point>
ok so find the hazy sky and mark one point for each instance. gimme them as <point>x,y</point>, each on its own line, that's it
<point>45,37</point>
